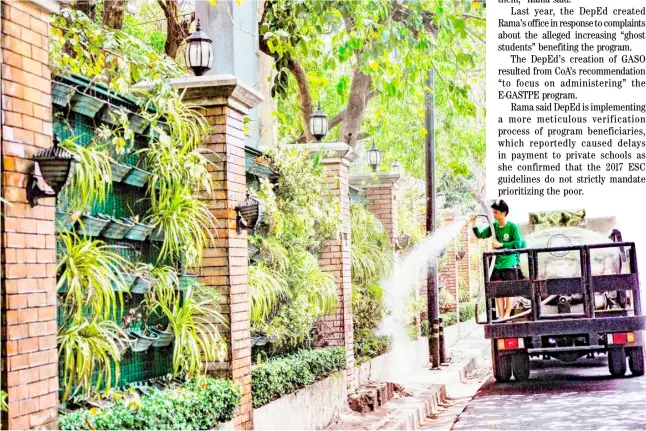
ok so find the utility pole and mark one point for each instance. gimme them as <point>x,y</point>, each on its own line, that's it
<point>432,293</point>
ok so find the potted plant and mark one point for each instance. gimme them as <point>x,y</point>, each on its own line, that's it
<point>87,351</point>
<point>138,231</point>
<point>133,324</point>
<point>117,229</point>
<point>88,272</point>
<point>65,221</point>
<point>142,284</point>
<point>119,171</point>
<point>186,280</point>
<point>165,337</point>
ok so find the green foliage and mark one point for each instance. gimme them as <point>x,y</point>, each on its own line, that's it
<point>3,402</point>
<point>193,321</point>
<point>449,318</point>
<point>88,276</point>
<point>87,349</point>
<point>283,375</point>
<point>467,312</point>
<point>424,328</point>
<point>410,208</point>
<point>372,255</point>
<point>368,308</point>
<point>289,290</point>
<point>368,346</point>
<point>200,404</point>
<point>78,45</point>
<point>92,177</point>
<point>446,299</point>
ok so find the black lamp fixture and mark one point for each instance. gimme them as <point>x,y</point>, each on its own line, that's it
<point>56,166</point>
<point>318,124</point>
<point>199,53</point>
<point>374,157</point>
<point>248,212</point>
<point>403,241</point>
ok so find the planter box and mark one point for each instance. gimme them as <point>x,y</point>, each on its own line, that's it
<point>158,235</point>
<point>139,232</point>
<point>164,338</point>
<point>143,342</point>
<point>138,124</point>
<point>119,171</point>
<point>86,105</point>
<point>62,94</point>
<point>111,115</point>
<point>309,408</point>
<point>140,286</point>
<point>137,177</point>
<point>186,280</point>
<point>129,280</point>
<point>117,229</point>
<point>92,225</point>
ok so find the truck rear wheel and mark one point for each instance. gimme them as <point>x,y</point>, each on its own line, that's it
<point>636,361</point>
<point>520,366</point>
<point>502,368</point>
<point>617,362</point>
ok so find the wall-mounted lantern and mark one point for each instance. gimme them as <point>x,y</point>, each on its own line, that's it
<point>56,166</point>
<point>396,167</point>
<point>199,52</point>
<point>249,213</point>
<point>403,241</point>
<point>318,124</point>
<point>374,157</point>
<point>460,254</point>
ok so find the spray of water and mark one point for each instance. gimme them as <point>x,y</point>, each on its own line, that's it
<point>400,289</point>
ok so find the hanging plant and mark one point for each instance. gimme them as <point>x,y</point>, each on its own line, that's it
<point>89,274</point>
<point>194,322</point>
<point>187,224</point>
<point>266,288</point>
<point>87,350</point>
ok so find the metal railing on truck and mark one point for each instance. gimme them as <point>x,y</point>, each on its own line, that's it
<point>586,284</point>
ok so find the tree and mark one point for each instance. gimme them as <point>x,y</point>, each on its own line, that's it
<point>113,11</point>
<point>177,27</point>
<point>380,45</point>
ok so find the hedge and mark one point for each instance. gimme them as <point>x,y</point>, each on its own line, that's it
<point>283,375</point>
<point>467,312</point>
<point>200,404</point>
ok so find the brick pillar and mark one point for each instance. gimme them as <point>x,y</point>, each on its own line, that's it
<point>464,263</point>
<point>381,191</point>
<point>335,255</point>
<point>226,101</point>
<point>28,292</point>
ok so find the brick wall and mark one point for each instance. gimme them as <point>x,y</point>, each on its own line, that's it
<point>382,202</point>
<point>29,354</point>
<point>335,258</point>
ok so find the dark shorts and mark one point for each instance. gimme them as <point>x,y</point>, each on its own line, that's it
<point>507,274</point>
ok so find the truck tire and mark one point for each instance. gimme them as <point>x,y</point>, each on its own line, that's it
<point>520,366</point>
<point>636,361</point>
<point>502,368</point>
<point>617,362</point>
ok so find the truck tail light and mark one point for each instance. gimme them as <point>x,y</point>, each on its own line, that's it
<point>621,338</point>
<point>510,343</point>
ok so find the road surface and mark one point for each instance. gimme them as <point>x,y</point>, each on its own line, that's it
<point>580,396</point>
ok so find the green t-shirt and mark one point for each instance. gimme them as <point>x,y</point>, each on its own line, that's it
<point>509,237</point>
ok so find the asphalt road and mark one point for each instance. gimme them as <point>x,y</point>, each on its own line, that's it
<point>579,396</point>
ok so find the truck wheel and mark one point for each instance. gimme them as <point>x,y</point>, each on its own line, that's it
<point>520,366</point>
<point>617,362</point>
<point>502,368</point>
<point>636,361</point>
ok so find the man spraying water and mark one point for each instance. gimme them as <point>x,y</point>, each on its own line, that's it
<point>507,267</point>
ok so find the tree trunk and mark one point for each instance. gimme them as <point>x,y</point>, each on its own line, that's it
<point>356,107</point>
<point>113,11</point>
<point>177,30</point>
<point>88,7</point>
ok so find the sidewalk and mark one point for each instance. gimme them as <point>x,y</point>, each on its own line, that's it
<point>431,392</point>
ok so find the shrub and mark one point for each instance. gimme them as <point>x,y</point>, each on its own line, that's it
<point>467,311</point>
<point>201,404</point>
<point>424,328</point>
<point>368,345</point>
<point>283,375</point>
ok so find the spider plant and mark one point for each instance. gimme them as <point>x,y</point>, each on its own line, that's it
<point>266,287</point>
<point>92,177</point>
<point>306,276</point>
<point>3,403</point>
<point>163,288</point>
<point>194,322</point>
<point>90,273</point>
<point>187,223</point>
<point>87,350</point>
<point>274,252</point>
